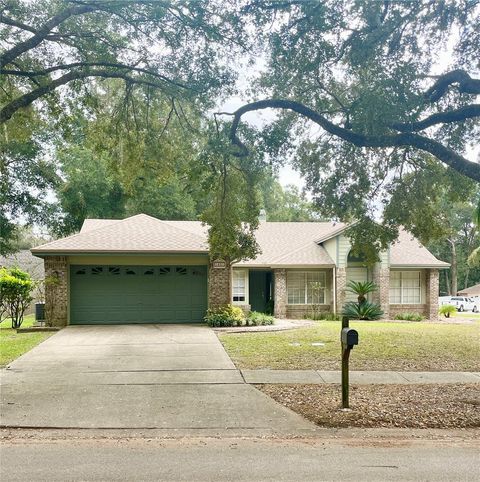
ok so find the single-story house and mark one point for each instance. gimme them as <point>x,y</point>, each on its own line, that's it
<point>145,270</point>
<point>471,291</point>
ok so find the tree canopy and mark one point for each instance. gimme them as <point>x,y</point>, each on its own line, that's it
<point>369,95</point>
<point>375,103</point>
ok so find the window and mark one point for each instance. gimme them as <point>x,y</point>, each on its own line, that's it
<point>239,288</point>
<point>405,287</point>
<point>164,271</point>
<point>148,271</point>
<point>114,270</point>
<point>306,287</point>
<point>97,270</point>
<point>181,270</point>
<point>81,271</point>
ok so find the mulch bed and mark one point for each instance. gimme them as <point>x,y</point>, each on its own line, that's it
<point>405,406</point>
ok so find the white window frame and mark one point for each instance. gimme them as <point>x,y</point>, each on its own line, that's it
<point>401,287</point>
<point>245,277</point>
<point>305,274</point>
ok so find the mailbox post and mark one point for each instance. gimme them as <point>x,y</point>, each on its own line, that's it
<point>349,338</point>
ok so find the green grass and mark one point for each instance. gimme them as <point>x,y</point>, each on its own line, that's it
<point>383,346</point>
<point>13,344</point>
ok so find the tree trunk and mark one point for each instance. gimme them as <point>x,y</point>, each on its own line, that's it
<point>453,269</point>
<point>467,276</point>
<point>447,284</point>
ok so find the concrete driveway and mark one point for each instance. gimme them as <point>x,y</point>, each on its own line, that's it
<point>172,377</point>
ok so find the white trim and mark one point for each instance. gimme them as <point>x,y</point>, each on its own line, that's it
<point>245,273</point>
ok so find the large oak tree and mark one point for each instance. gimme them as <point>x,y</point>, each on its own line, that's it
<point>376,102</point>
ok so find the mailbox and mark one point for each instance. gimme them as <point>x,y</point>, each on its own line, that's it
<point>349,337</point>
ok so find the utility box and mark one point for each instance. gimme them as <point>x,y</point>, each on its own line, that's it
<point>349,337</point>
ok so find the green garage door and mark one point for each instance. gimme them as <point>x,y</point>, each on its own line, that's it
<point>137,294</point>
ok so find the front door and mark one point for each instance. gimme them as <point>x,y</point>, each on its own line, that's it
<point>259,290</point>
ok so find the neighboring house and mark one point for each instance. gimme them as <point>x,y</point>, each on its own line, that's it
<point>142,270</point>
<point>26,261</point>
<point>473,291</point>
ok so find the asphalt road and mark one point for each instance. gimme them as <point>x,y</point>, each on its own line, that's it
<point>238,460</point>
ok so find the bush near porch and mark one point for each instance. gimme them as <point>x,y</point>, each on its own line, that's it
<point>383,346</point>
<point>13,344</point>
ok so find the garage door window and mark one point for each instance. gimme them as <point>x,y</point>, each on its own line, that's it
<point>164,271</point>
<point>97,270</point>
<point>114,270</point>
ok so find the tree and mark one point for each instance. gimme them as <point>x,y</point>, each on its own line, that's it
<point>474,258</point>
<point>88,190</point>
<point>15,294</point>
<point>26,176</point>
<point>458,238</point>
<point>233,202</point>
<point>365,74</point>
<point>178,47</point>
<point>285,203</point>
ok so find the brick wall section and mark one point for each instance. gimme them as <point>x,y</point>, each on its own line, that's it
<point>219,286</point>
<point>56,294</point>
<point>280,292</point>
<point>341,284</point>
<point>381,277</point>
<point>432,280</point>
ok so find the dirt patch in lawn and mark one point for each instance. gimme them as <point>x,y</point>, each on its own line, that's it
<point>406,406</point>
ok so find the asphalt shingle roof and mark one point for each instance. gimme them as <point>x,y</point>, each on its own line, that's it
<point>281,243</point>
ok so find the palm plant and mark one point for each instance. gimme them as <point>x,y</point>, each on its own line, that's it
<point>447,310</point>
<point>362,309</point>
<point>361,289</point>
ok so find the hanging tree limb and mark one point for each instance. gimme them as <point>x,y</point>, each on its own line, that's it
<point>402,139</point>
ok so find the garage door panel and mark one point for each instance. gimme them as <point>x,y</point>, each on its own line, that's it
<point>137,294</point>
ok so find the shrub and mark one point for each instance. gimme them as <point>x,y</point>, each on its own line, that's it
<point>16,288</point>
<point>409,317</point>
<point>362,311</point>
<point>447,310</point>
<point>323,315</point>
<point>256,318</point>
<point>227,315</point>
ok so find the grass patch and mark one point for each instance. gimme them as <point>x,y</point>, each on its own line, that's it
<point>383,346</point>
<point>406,406</point>
<point>13,344</point>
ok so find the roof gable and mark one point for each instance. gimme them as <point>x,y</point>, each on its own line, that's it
<point>140,233</point>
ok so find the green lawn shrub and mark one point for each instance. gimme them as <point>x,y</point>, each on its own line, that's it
<point>409,317</point>
<point>227,315</point>
<point>256,318</point>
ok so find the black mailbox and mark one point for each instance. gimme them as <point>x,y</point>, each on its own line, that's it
<point>349,337</point>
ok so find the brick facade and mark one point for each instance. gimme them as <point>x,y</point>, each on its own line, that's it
<point>381,277</point>
<point>341,284</point>
<point>280,292</point>
<point>219,286</point>
<point>56,290</point>
<point>432,280</point>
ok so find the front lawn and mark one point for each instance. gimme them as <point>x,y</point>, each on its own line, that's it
<point>13,344</point>
<point>383,346</point>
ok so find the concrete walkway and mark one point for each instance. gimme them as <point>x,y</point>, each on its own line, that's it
<point>357,377</point>
<point>177,378</point>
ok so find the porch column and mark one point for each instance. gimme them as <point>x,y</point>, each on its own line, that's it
<point>340,285</point>
<point>219,284</point>
<point>56,290</point>
<point>381,277</point>
<point>432,294</point>
<point>280,292</point>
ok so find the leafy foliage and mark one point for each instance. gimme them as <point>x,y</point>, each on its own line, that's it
<point>361,289</point>
<point>256,318</point>
<point>323,315</point>
<point>16,287</point>
<point>447,310</point>
<point>362,311</point>
<point>362,110</point>
<point>227,315</point>
<point>409,317</point>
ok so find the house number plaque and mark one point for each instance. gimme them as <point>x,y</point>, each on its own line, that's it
<point>219,264</point>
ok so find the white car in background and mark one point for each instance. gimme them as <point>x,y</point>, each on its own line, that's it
<point>462,303</point>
